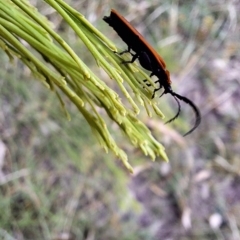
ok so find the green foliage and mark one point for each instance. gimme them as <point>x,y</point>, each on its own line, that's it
<point>72,76</point>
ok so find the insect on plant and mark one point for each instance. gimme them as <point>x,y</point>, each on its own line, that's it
<point>150,60</point>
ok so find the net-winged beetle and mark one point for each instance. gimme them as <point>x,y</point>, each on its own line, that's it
<point>149,59</point>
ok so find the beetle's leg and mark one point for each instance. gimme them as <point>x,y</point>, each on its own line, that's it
<point>158,88</point>
<point>155,89</point>
<point>147,83</point>
<point>121,53</point>
<point>134,57</point>
<point>125,51</point>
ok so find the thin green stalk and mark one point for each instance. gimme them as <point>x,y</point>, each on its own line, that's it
<point>62,69</point>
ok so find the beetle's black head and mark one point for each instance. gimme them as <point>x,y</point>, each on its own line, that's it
<point>168,89</point>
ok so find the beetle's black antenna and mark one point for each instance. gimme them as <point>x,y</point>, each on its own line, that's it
<point>178,112</point>
<point>197,113</point>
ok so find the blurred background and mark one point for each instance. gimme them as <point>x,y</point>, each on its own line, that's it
<point>57,183</point>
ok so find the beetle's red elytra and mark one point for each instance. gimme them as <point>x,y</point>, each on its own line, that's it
<point>148,59</point>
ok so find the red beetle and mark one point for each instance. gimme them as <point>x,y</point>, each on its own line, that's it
<point>149,59</point>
